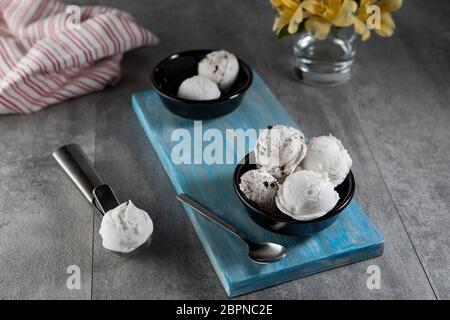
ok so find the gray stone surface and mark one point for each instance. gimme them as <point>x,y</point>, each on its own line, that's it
<point>404,114</point>
<point>45,226</point>
<point>393,116</point>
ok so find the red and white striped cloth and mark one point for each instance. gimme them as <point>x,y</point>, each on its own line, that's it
<point>47,57</point>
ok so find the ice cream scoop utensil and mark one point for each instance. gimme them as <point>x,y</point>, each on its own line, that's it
<point>77,166</point>
<point>265,252</point>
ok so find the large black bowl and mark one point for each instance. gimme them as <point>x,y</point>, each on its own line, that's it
<point>171,71</point>
<point>282,223</point>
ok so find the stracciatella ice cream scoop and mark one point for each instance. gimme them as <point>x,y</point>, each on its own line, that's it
<point>125,228</point>
<point>306,195</point>
<point>198,88</point>
<point>279,150</point>
<point>221,67</point>
<point>327,156</point>
<point>260,187</point>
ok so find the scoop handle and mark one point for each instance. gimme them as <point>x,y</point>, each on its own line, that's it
<point>80,170</point>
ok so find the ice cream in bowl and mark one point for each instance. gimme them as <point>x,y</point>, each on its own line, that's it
<point>292,187</point>
<point>201,84</point>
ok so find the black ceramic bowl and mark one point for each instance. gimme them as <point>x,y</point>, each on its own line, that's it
<point>171,71</point>
<point>284,224</point>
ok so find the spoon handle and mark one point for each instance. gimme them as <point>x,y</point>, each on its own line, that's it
<point>77,166</point>
<point>210,215</point>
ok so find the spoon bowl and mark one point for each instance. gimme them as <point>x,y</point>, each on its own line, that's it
<point>266,252</point>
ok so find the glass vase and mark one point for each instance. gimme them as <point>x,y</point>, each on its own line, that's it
<point>328,62</point>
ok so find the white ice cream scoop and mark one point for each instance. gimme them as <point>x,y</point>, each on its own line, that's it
<point>279,150</point>
<point>327,156</point>
<point>125,229</point>
<point>198,88</point>
<point>306,195</point>
<point>221,67</point>
<point>259,187</point>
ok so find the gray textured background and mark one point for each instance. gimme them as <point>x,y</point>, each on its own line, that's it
<point>393,116</point>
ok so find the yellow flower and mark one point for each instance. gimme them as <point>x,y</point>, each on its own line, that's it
<point>318,16</point>
<point>290,14</point>
<point>387,25</point>
<point>326,13</point>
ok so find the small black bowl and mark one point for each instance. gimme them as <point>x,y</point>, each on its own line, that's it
<point>282,223</point>
<point>171,71</point>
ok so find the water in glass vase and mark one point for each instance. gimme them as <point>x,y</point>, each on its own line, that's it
<point>325,63</point>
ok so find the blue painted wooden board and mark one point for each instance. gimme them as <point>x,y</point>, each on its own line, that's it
<point>350,239</point>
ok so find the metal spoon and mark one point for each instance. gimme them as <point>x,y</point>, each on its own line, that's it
<point>265,252</point>
<point>77,166</point>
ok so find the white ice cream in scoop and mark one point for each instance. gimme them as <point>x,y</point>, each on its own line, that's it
<point>327,156</point>
<point>125,228</point>
<point>279,150</point>
<point>198,88</point>
<point>221,67</point>
<point>306,195</point>
<point>260,187</point>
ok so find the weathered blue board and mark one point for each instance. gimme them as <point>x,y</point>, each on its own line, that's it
<point>350,239</point>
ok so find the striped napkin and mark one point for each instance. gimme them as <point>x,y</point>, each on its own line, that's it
<point>50,52</point>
